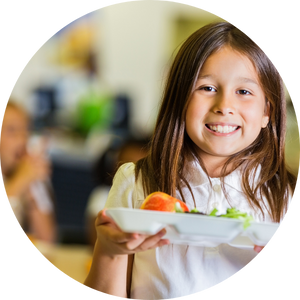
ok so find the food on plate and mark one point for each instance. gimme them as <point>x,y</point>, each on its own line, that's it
<point>231,213</point>
<point>160,201</point>
<point>163,202</point>
<point>234,213</point>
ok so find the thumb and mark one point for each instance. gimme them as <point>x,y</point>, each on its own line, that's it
<point>103,218</point>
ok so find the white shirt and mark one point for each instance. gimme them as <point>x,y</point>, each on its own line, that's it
<point>178,270</point>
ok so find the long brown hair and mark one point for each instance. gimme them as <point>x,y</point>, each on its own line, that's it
<point>162,169</point>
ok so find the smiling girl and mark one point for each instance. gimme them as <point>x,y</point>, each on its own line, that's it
<point>227,108</point>
<point>218,143</point>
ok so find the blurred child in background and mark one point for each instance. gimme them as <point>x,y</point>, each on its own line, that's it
<point>25,176</point>
<point>130,151</point>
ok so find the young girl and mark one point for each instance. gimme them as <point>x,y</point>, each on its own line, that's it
<point>218,143</point>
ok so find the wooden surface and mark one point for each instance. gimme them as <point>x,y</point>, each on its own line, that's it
<point>73,260</point>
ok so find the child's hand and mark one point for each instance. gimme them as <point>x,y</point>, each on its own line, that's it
<point>33,167</point>
<point>112,241</point>
<point>258,248</point>
<point>30,169</point>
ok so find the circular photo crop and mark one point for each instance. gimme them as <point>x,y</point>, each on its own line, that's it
<point>149,150</point>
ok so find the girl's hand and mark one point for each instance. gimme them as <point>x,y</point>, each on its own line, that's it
<point>258,248</point>
<point>30,169</point>
<point>112,241</point>
<point>33,167</point>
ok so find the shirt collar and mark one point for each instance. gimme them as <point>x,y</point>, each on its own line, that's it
<point>196,176</point>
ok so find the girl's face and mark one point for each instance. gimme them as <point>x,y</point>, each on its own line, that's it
<point>13,139</point>
<point>227,107</point>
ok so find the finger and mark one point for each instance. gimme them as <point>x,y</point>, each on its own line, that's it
<point>115,235</point>
<point>103,218</point>
<point>153,241</point>
<point>258,248</point>
<point>161,243</point>
<point>146,242</point>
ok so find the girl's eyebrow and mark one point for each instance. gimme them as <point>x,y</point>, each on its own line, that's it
<point>247,80</point>
<point>241,79</point>
<point>205,76</point>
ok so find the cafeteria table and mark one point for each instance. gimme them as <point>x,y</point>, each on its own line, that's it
<point>72,259</point>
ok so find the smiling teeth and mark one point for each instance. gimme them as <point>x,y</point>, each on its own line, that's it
<point>223,129</point>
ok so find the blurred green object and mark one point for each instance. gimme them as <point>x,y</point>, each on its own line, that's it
<point>94,110</point>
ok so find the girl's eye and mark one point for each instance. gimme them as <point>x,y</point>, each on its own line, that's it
<point>208,89</point>
<point>243,92</point>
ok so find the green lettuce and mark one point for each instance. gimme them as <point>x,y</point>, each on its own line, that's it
<point>231,213</point>
<point>234,213</point>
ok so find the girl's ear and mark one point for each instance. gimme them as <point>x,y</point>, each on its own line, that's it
<point>266,116</point>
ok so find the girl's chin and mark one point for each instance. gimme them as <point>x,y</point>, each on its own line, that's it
<point>220,154</point>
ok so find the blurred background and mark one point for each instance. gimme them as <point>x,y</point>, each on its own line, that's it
<point>93,92</point>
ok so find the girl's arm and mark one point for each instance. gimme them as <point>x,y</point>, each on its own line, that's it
<point>113,256</point>
<point>108,273</point>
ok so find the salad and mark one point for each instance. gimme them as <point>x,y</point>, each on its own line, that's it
<point>231,213</point>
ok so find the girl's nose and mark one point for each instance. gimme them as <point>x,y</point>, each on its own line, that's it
<point>224,105</point>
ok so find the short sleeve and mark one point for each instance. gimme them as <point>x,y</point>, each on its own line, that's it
<point>97,200</point>
<point>123,190</point>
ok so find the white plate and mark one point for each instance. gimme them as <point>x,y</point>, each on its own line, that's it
<point>193,229</point>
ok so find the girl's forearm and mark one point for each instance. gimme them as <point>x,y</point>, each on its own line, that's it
<point>108,274</point>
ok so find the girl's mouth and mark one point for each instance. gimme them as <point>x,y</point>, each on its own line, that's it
<point>222,129</point>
